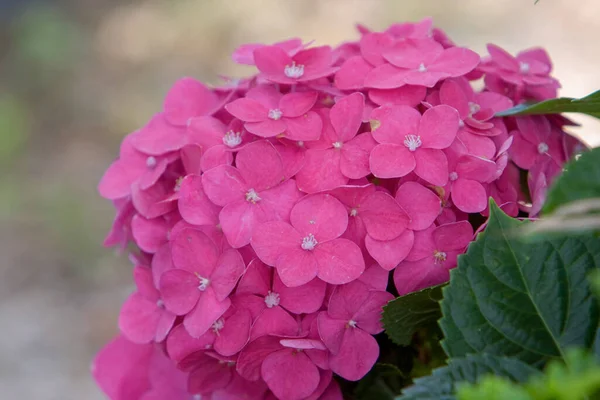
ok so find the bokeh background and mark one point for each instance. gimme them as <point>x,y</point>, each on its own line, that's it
<point>77,75</point>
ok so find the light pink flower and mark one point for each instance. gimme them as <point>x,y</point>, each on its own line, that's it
<point>411,142</point>
<point>311,245</point>
<point>200,284</point>
<point>340,154</point>
<point>276,65</point>
<point>251,193</point>
<point>353,315</point>
<point>268,113</point>
<point>433,255</point>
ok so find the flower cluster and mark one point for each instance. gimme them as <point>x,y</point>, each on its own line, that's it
<point>268,213</point>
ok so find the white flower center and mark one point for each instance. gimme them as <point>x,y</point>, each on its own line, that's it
<point>204,282</point>
<point>294,71</point>
<point>523,67</point>
<point>453,176</point>
<point>337,145</point>
<point>300,143</point>
<point>352,323</point>
<point>413,142</point>
<point>275,114</point>
<point>422,68</point>
<point>160,303</point>
<point>461,123</point>
<point>218,325</point>
<point>272,299</point>
<point>353,212</point>
<point>439,256</point>
<point>232,139</point>
<point>542,148</point>
<point>473,108</point>
<point>309,242</point>
<point>252,196</point>
<point>150,162</point>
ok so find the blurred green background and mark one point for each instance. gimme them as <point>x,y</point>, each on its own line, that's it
<point>77,75</point>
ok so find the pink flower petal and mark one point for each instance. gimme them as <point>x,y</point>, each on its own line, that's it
<point>354,162</point>
<point>392,161</point>
<point>161,262</point>
<point>149,234</point>
<point>469,196</point>
<point>456,61</point>
<point>159,137</point>
<point>368,317</point>
<point>277,203</point>
<point>339,261</point>
<point>358,353</point>
<point>297,266</point>
<point>305,127</point>
<point>321,171</point>
<point>256,279</point>
<point>375,277</point>
<point>413,276</point>
<point>191,156</point>
<point>228,271</point>
<point>215,156</point>
<point>385,76</point>
<point>408,95</point>
<point>194,251</point>
<point>503,58</point>
<point>235,333</point>
<point>224,184</point>
<point>239,220</point>
<point>179,291</point>
<point>252,356</point>
<point>423,245</point>
<point>303,299</point>
<point>438,127</point>
<point>268,128</point>
<point>298,103</point>
<point>151,203</point>
<point>522,152</point>
<point>422,205</point>
<point>390,124</point>
<point>271,62</point>
<point>383,217</point>
<point>260,165</point>
<point>272,239</point>
<point>290,374</point>
<point>194,205</point>
<point>321,215</point>
<point>351,75</point>
<point>186,99</point>
<point>274,321</point>
<point>346,300</point>
<point>206,312</point>
<point>180,344</point>
<point>455,236</point>
<point>389,254</point>
<point>140,317</point>
<point>208,375</point>
<point>331,331</point>
<point>346,115</point>
<point>248,110</point>
<point>432,166</point>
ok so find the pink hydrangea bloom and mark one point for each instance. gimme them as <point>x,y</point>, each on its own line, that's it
<point>276,65</point>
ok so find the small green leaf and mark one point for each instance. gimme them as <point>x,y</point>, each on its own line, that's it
<point>511,298</point>
<point>589,104</point>
<point>403,316</point>
<point>442,383</point>
<point>581,180</point>
<point>376,384</point>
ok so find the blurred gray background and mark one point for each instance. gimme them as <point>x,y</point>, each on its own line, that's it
<point>77,75</point>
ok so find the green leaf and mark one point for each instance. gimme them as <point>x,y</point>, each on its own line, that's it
<point>511,298</point>
<point>589,104</point>
<point>376,384</point>
<point>581,180</point>
<point>442,383</point>
<point>403,316</point>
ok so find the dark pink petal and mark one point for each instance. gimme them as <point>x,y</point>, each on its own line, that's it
<point>142,277</point>
<point>422,205</point>
<point>292,156</point>
<point>452,94</point>
<point>346,116</point>
<point>358,353</point>
<point>298,103</point>
<point>116,181</point>
<point>438,127</point>
<point>260,165</point>
<point>321,171</point>
<point>455,236</point>
<point>206,132</point>
<point>386,76</point>
<point>304,128</point>
<point>239,219</point>
<point>191,156</point>
<point>413,52</point>
<point>413,276</point>
<point>150,202</point>
<point>321,215</point>
<point>477,145</point>
<point>390,253</point>
<point>149,234</point>
<point>494,101</point>
<point>208,375</point>
<point>228,271</point>
<point>475,168</point>
<point>297,266</point>
<point>139,318</point>
<point>253,303</point>
<point>207,311</point>
<point>268,128</point>
<point>235,333</point>
<point>215,156</point>
<point>194,205</point>
<point>271,62</point>
<point>180,344</point>
<point>354,162</point>
<point>252,356</point>
<point>224,184</point>
<point>503,58</point>
<point>333,392</point>
<point>522,152</point>
<point>324,383</point>
<point>432,166</point>
<point>316,61</point>
<point>408,95</point>
<point>303,299</point>
<point>372,45</point>
<point>423,245</point>
<point>179,291</point>
<point>352,73</point>
<point>267,95</point>
<point>346,300</point>
<point>272,239</point>
<point>159,137</point>
<point>186,99</point>
<point>390,124</point>
<point>277,202</point>
<point>376,277</point>
<point>248,110</point>
<point>274,321</point>
<point>194,251</point>
<point>392,160</point>
<point>456,61</point>
<point>383,217</point>
<point>469,196</point>
<point>339,261</point>
<point>290,374</point>
<point>368,317</point>
<point>256,279</point>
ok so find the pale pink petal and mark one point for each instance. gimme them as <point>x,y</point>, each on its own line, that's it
<point>422,205</point>
<point>438,127</point>
<point>390,253</point>
<point>392,161</point>
<point>304,128</point>
<point>469,196</point>
<point>260,165</point>
<point>390,124</point>
<point>432,166</point>
<point>235,333</point>
<point>298,103</point>
<point>358,353</point>
<point>228,271</point>
<point>179,291</point>
<point>248,110</point>
<point>455,236</point>
<point>194,251</point>
<point>321,215</point>
<point>290,374</point>
<point>194,205</point>
<point>149,234</point>
<point>321,171</point>
<point>206,312</point>
<point>354,162</point>
<point>224,184</point>
<point>384,219</point>
<point>274,321</point>
<point>339,261</point>
<point>274,238</point>
<point>303,299</point>
<point>186,99</point>
<point>161,262</point>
